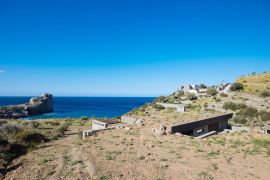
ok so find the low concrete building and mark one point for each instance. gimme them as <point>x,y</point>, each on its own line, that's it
<point>103,124</point>
<point>99,125</point>
<point>179,107</point>
<point>186,88</point>
<point>201,127</point>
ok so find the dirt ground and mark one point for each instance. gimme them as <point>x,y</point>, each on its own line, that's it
<point>138,154</point>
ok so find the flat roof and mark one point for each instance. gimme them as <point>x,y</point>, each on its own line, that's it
<point>194,124</point>
<point>107,121</point>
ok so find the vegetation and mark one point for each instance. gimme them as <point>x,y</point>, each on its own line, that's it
<point>203,86</point>
<point>248,112</point>
<point>84,118</point>
<point>265,93</point>
<point>264,116</point>
<point>191,96</point>
<point>223,95</point>
<point>19,136</point>
<point>237,86</point>
<point>238,119</point>
<point>256,84</point>
<point>157,106</point>
<point>211,91</point>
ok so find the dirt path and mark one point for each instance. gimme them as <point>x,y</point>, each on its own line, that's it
<point>60,159</point>
<point>136,154</point>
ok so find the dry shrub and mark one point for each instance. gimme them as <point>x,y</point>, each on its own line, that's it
<point>28,138</point>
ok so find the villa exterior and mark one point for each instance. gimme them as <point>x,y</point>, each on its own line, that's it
<point>188,87</point>
<point>201,127</point>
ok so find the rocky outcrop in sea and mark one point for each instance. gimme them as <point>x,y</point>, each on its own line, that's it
<point>36,105</point>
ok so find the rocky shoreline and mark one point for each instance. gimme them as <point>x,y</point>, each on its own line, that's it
<point>36,105</point>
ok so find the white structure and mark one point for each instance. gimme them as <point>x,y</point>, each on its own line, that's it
<point>190,88</point>
<point>203,90</point>
<point>98,125</point>
<point>179,107</point>
<point>224,88</point>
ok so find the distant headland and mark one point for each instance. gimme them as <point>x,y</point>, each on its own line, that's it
<point>36,106</point>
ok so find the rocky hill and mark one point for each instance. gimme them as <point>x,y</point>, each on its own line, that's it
<point>36,105</point>
<point>242,99</point>
<point>258,84</point>
<point>138,152</point>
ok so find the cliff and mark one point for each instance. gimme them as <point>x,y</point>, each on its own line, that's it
<point>36,105</point>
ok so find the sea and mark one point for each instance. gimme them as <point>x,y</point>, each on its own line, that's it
<point>76,107</point>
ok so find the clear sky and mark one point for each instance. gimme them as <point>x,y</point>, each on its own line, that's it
<point>129,47</point>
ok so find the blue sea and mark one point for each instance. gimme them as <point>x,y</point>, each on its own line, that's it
<point>76,107</point>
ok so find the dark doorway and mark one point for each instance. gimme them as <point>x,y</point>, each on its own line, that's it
<point>213,127</point>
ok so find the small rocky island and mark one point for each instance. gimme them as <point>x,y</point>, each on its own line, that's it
<point>36,105</point>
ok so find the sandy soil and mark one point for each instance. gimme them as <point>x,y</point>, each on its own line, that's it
<point>138,154</point>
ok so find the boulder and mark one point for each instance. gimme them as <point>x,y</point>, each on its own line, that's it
<point>36,105</point>
<point>139,122</point>
<point>160,131</point>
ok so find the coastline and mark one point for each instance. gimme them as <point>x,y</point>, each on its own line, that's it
<point>77,107</point>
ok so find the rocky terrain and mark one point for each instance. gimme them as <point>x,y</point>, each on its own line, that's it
<point>138,152</point>
<point>36,105</point>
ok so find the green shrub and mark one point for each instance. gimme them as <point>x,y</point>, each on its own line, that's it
<point>230,106</point>
<point>234,106</point>
<point>8,129</point>
<point>84,118</point>
<point>265,116</point>
<point>237,86</point>
<point>34,124</point>
<point>2,122</point>
<point>239,119</point>
<point>52,123</point>
<point>223,95</point>
<point>241,106</point>
<point>203,86</point>
<point>265,94</point>
<point>160,99</point>
<point>188,106</point>
<point>191,96</point>
<point>9,151</point>
<point>29,138</point>
<point>211,91</point>
<point>62,129</point>
<point>157,106</point>
<point>248,112</point>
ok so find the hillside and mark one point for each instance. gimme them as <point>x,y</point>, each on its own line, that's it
<point>256,84</point>
<point>137,152</point>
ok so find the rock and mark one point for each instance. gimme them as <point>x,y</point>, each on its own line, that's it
<point>161,131</point>
<point>139,122</point>
<point>36,105</point>
<point>120,126</point>
<point>127,128</point>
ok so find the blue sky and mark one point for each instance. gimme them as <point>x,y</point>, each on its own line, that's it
<point>129,48</point>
